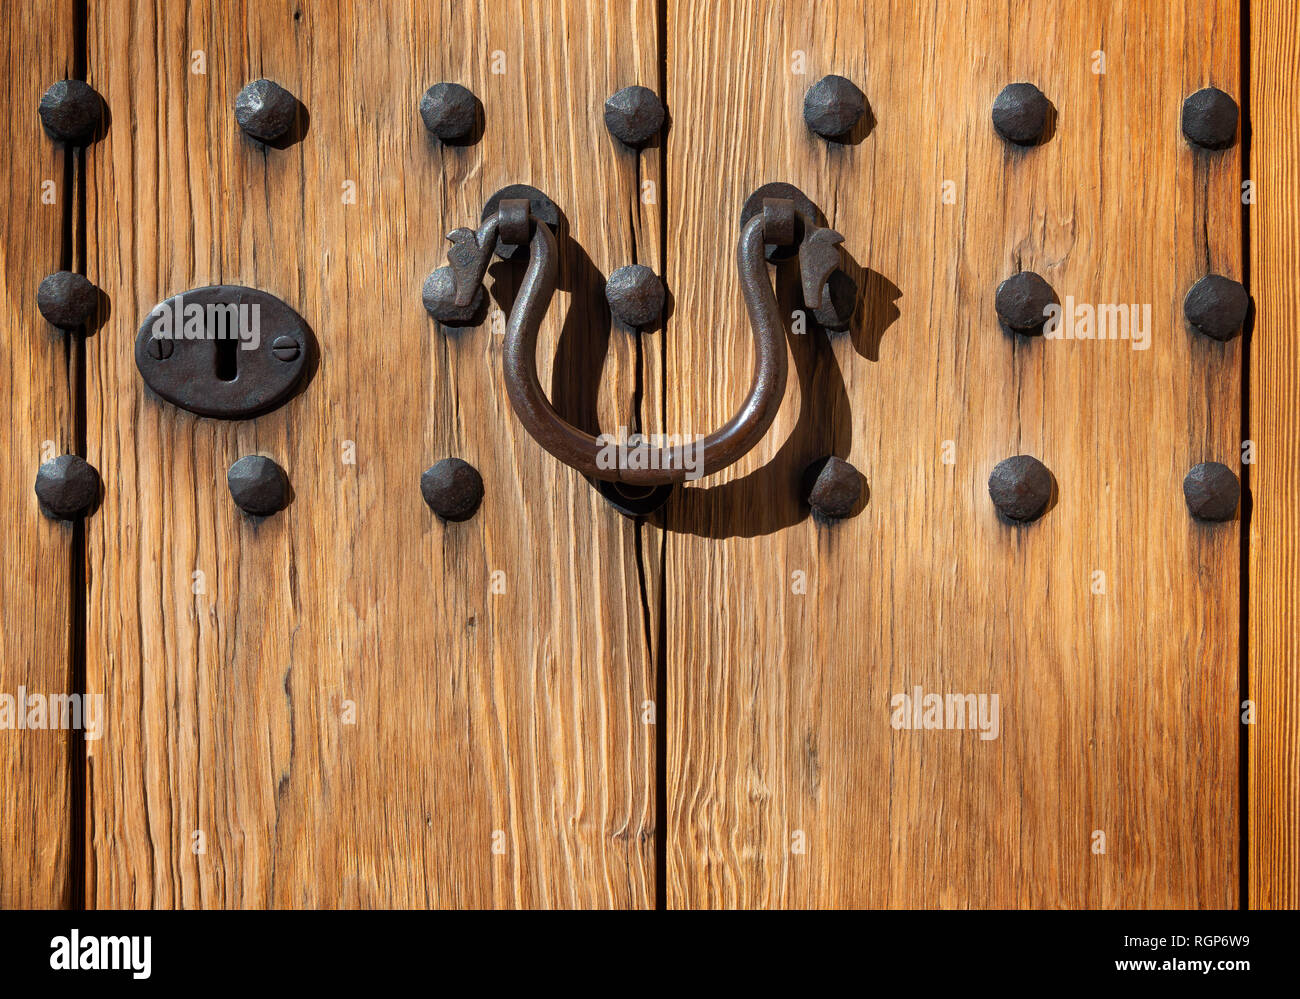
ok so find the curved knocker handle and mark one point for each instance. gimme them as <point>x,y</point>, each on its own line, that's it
<point>640,464</point>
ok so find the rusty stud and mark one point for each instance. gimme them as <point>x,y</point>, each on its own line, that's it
<point>449,111</point>
<point>635,295</point>
<point>265,110</point>
<point>833,488</point>
<point>1021,488</point>
<point>1020,114</point>
<point>634,115</point>
<point>439,296</point>
<point>1217,306</point>
<point>67,487</point>
<point>833,106</point>
<point>72,112</point>
<point>452,488</point>
<point>1210,119</point>
<point>1212,491</point>
<point>258,485</point>
<point>1021,302</point>
<point>67,300</point>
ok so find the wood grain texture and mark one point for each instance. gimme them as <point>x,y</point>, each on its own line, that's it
<point>1274,684</point>
<point>1118,711</point>
<point>37,373</point>
<point>476,713</point>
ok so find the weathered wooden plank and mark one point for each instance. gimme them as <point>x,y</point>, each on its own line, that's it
<point>1274,683</point>
<point>788,786</point>
<point>37,374</point>
<point>498,755</point>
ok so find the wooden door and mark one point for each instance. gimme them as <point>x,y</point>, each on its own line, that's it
<point>790,785</point>
<point>352,704</point>
<point>355,704</point>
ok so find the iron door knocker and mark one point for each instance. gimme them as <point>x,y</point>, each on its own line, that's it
<point>778,222</point>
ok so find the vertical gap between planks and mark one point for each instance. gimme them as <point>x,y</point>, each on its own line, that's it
<point>75,259</point>
<point>1243,642</point>
<point>662,714</point>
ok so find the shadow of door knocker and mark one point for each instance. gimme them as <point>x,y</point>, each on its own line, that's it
<point>777,222</point>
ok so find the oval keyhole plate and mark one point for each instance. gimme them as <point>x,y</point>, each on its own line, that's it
<point>224,351</point>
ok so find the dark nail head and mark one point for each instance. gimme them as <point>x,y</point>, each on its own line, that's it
<point>634,115</point>
<point>1022,301</point>
<point>67,300</point>
<point>1020,114</point>
<point>258,485</point>
<point>265,110</point>
<point>1212,491</point>
<point>1021,488</point>
<point>635,295</point>
<point>67,487</point>
<point>1210,119</point>
<point>72,112</point>
<point>833,106</point>
<point>452,488</point>
<point>833,486</point>
<point>449,111</point>
<point>1217,306</point>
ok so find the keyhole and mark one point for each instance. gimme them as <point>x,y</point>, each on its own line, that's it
<point>227,359</point>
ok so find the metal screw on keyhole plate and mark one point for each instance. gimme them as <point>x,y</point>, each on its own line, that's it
<point>160,348</point>
<point>285,348</point>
